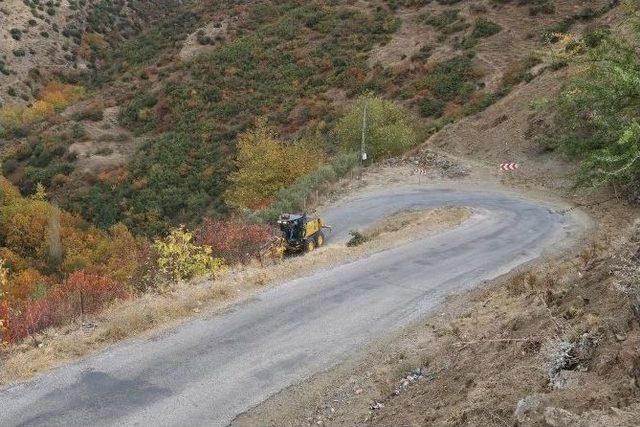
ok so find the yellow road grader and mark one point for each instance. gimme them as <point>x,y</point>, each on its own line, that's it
<point>299,233</point>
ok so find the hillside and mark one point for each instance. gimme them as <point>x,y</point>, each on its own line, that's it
<point>168,99</point>
<point>41,39</point>
<point>145,146</point>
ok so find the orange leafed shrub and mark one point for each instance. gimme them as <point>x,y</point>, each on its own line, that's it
<point>356,74</point>
<point>91,42</point>
<point>113,177</point>
<point>124,251</point>
<point>60,95</point>
<point>233,240</point>
<point>453,110</point>
<point>8,192</point>
<point>96,290</point>
<point>82,293</point>
<point>38,111</point>
<point>24,284</point>
<point>12,260</point>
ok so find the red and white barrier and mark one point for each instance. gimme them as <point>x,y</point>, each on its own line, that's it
<point>420,171</point>
<point>507,167</point>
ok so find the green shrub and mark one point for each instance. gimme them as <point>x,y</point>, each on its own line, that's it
<point>137,114</point>
<point>452,78</point>
<point>395,4</point>
<point>546,7</point>
<point>16,33</point>
<point>586,14</point>
<point>388,131</point>
<point>598,115</point>
<point>294,198</point>
<point>423,54</point>
<point>357,238</point>
<point>3,68</point>
<point>431,107</point>
<point>550,34</point>
<point>485,28</point>
<point>9,166</point>
<point>442,19</point>
<point>593,37</point>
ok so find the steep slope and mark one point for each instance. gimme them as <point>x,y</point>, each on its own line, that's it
<point>185,87</point>
<point>40,38</point>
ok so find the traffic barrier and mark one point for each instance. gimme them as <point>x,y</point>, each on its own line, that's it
<point>508,167</point>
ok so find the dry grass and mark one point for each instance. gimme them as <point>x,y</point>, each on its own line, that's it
<point>150,311</point>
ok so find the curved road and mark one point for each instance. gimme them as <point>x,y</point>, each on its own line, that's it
<point>208,370</point>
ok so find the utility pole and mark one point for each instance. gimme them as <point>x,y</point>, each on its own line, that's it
<point>363,153</point>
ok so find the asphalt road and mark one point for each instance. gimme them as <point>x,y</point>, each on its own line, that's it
<point>208,370</point>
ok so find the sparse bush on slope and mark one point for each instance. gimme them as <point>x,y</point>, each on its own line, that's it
<point>598,113</point>
<point>485,28</point>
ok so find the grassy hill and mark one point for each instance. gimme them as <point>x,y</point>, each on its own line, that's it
<point>153,141</point>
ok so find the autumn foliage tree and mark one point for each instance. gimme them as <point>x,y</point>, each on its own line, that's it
<point>55,266</point>
<point>233,239</point>
<point>266,164</point>
<point>180,258</point>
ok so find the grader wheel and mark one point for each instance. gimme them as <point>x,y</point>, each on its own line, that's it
<point>310,245</point>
